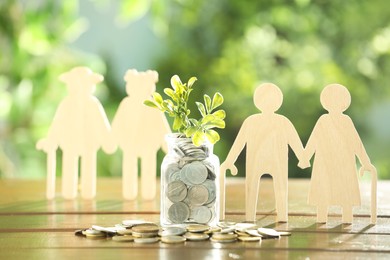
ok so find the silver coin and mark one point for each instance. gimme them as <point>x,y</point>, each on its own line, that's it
<point>212,190</point>
<point>268,232</point>
<point>178,212</point>
<point>133,222</point>
<point>171,168</point>
<point>210,169</point>
<point>109,230</point>
<point>195,172</point>
<point>174,176</point>
<point>197,195</point>
<point>201,214</point>
<point>253,232</point>
<point>242,227</point>
<point>172,231</point>
<point>176,191</point>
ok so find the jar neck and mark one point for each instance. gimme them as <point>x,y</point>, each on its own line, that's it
<point>183,147</point>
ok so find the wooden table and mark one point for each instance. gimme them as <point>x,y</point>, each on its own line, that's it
<point>34,228</point>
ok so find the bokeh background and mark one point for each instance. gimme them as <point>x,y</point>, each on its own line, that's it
<point>231,46</point>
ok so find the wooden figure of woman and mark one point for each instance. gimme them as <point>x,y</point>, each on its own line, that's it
<point>335,143</point>
<point>139,131</point>
<point>80,127</point>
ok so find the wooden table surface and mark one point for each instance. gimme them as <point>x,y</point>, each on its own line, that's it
<point>33,228</point>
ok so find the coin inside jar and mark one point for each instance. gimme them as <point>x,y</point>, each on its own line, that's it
<point>176,191</point>
<point>201,214</point>
<point>195,172</point>
<point>197,195</point>
<point>178,212</point>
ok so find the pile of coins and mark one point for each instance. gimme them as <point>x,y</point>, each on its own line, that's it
<point>143,232</point>
<point>189,189</point>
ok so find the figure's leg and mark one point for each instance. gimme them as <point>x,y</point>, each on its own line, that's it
<point>347,216</point>
<point>281,196</point>
<point>69,175</point>
<point>148,176</point>
<point>129,176</point>
<point>88,175</point>
<point>252,181</point>
<point>322,214</point>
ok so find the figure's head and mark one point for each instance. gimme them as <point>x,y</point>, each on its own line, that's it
<point>81,80</point>
<point>268,97</point>
<point>335,98</point>
<point>141,84</point>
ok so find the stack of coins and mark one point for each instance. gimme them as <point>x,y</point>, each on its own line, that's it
<point>146,232</point>
<point>189,191</point>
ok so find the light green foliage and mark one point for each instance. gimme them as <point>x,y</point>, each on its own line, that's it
<point>177,108</point>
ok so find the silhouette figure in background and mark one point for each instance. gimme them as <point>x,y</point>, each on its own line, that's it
<point>267,136</point>
<point>336,143</point>
<point>80,127</point>
<point>139,131</point>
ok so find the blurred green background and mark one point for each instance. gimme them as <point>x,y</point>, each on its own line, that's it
<point>231,46</point>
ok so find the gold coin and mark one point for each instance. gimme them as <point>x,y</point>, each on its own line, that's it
<point>173,239</point>
<point>146,228</point>
<point>144,235</point>
<point>241,234</point>
<point>197,228</point>
<point>146,240</point>
<point>196,236</point>
<point>249,239</point>
<point>223,241</point>
<point>213,230</point>
<point>123,238</point>
<point>284,233</point>
<point>124,232</point>
<point>218,236</point>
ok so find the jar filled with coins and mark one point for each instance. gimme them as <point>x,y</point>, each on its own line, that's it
<point>189,183</point>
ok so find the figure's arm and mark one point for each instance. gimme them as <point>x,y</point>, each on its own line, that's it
<point>360,151</point>
<point>294,141</point>
<point>236,149</point>
<point>309,150</point>
<point>104,129</point>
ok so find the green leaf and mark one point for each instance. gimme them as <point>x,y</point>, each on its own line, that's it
<point>221,114</point>
<point>191,82</point>
<point>207,119</point>
<point>157,97</point>
<point>201,109</point>
<point>212,136</point>
<point>218,123</point>
<point>217,100</point>
<point>177,122</point>
<point>170,93</point>
<point>176,82</point>
<point>150,103</point>
<point>194,121</point>
<point>190,131</point>
<point>207,101</point>
<point>198,138</point>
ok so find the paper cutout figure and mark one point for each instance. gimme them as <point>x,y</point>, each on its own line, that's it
<point>139,131</point>
<point>335,143</point>
<point>80,127</point>
<point>267,136</point>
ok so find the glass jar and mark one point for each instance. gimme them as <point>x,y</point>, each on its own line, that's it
<point>189,183</point>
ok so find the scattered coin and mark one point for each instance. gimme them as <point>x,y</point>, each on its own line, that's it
<point>244,226</point>
<point>268,232</point>
<point>92,233</point>
<point>124,232</point>
<point>196,236</point>
<point>123,238</point>
<point>79,233</point>
<point>132,222</point>
<point>147,240</point>
<point>284,233</point>
<point>144,235</point>
<point>224,224</point>
<point>197,228</point>
<point>172,231</point>
<point>219,236</point>
<point>173,239</point>
<point>145,228</point>
<point>249,238</point>
<point>109,230</point>
<point>223,241</point>
<point>253,232</point>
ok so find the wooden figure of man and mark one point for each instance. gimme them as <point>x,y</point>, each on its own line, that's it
<point>80,127</point>
<point>139,131</point>
<point>336,143</point>
<point>267,136</point>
